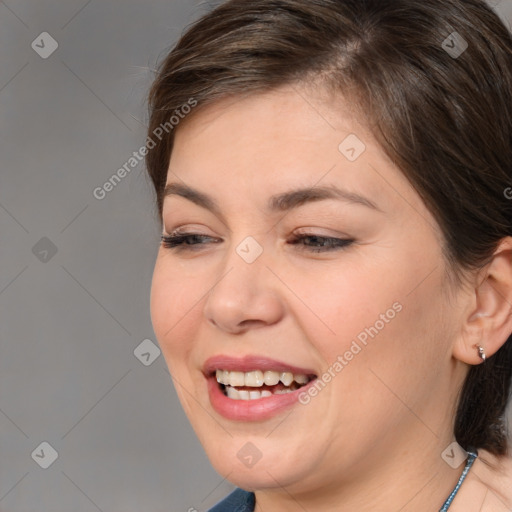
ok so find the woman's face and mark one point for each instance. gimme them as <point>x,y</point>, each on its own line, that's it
<point>367,318</point>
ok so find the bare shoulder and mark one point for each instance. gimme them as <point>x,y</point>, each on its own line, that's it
<point>488,486</point>
<point>496,474</point>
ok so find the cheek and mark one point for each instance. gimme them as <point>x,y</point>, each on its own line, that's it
<point>339,302</point>
<point>375,317</point>
<point>173,296</point>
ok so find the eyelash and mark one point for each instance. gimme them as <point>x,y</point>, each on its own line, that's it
<point>177,242</point>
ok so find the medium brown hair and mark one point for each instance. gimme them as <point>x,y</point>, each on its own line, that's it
<point>444,119</point>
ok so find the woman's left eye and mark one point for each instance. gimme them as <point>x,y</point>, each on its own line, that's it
<point>192,241</point>
<point>321,243</point>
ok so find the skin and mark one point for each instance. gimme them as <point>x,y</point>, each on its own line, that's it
<point>372,439</point>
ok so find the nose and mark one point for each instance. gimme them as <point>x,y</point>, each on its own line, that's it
<point>246,295</point>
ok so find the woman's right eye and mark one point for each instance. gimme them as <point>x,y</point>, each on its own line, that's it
<point>184,241</point>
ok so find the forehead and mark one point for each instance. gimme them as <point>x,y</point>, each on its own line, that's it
<point>286,138</point>
<point>281,117</point>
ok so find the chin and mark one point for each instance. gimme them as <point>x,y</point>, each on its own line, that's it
<point>257,464</point>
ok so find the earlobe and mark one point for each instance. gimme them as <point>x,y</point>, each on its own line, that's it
<point>489,323</point>
<point>471,348</point>
<point>481,353</point>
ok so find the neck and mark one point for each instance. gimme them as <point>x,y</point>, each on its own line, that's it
<point>411,481</point>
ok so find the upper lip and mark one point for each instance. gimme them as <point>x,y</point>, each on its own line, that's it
<point>249,363</point>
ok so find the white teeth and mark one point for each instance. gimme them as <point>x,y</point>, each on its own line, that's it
<point>282,391</point>
<point>254,379</point>
<point>236,379</point>
<point>301,379</point>
<point>232,393</point>
<point>286,378</point>
<point>254,395</point>
<point>258,378</point>
<point>271,378</point>
<point>242,394</point>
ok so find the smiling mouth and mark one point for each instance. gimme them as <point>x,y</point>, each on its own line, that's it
<point>258,384</point>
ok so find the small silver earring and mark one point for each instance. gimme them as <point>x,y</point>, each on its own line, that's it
<point>481,353</point>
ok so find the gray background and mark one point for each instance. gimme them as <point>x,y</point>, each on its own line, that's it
<point>71,320</point>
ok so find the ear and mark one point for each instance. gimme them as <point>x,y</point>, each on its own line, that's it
<point>488,322</point>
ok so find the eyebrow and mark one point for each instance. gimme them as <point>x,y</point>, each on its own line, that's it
<point>277,203</point>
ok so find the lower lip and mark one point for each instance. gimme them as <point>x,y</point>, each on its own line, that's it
<point>251,410</point>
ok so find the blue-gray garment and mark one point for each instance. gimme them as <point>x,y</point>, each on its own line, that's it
<point>238,501</point>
